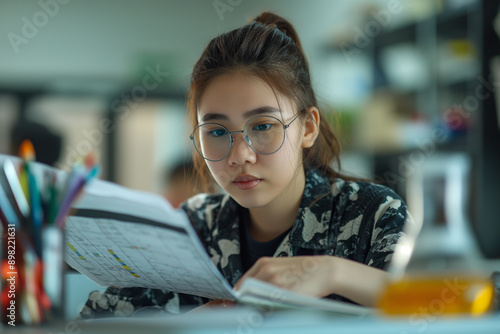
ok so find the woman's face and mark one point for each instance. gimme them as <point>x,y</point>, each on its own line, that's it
<point>253,180</point>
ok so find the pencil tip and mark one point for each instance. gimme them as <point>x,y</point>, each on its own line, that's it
<point>90,160</point>
<point>27,151</point>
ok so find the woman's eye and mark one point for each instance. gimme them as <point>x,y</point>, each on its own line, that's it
<point>217,133</point>
<point>262,127</point>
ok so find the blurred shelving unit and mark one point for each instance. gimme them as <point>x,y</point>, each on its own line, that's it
<point>458,45</point>
<point>441,63</point>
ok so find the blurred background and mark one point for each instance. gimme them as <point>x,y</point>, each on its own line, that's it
<point>400,80</point>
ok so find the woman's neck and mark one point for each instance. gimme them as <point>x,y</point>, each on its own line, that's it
<point>268,222</point>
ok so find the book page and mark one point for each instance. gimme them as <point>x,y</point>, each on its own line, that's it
<point>125,238</point>
<point>256,292</point>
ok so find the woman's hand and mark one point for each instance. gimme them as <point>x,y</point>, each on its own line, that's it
<point>309,275</point>
<point>321,276</point>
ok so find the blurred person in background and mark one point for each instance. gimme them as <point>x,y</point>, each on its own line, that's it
<point>179,183</point>
<point>47,144</point>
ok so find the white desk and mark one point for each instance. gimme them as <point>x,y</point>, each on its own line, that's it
<point>245,320</point>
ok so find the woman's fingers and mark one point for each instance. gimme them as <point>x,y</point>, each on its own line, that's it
<point>303,274</point>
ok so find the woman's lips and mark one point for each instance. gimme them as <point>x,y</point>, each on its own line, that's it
<point>246,182</point>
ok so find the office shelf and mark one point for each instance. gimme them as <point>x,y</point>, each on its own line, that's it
<point>453,50</point>
<point>459,45</point>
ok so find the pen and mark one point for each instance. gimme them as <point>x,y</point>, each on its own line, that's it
<point>7,209</point>
<point>23,180</point>
<point>79,178</point>
<point>53,195</point>
<point>34,263</point>
<point>27,153</point>
<point>16,188</point>
<point>76,182</point>
<point>36,212</point>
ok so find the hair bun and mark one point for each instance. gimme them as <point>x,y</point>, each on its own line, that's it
<point>276,21</point>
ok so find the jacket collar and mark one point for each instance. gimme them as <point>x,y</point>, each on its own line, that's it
<point>312,226</point>
<point>228,224</point>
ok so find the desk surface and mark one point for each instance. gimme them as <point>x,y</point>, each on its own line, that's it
<point>247,320</point>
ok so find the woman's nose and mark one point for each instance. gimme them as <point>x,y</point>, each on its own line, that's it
<point>241,152</point>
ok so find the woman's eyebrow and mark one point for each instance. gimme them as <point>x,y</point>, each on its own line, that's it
<point>247,114</point>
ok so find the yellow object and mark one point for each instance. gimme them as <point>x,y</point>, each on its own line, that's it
<point>437,295</point>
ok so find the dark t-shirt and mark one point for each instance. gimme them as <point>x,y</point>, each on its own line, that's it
<point>251,250</point>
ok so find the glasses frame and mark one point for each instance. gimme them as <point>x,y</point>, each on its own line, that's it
<point>231,141</point>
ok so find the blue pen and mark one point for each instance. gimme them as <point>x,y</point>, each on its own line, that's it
<point>93,173</point>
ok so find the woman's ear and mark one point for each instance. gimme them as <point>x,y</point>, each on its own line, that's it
<point>311,127</point>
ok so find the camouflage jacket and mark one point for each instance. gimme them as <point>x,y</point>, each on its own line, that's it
<point>360,221</point>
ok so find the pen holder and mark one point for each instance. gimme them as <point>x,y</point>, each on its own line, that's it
<point>32,286</point>
<point>53,271</point>
<point>34,202</point>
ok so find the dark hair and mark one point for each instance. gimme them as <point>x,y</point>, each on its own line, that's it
<point>269,49</point>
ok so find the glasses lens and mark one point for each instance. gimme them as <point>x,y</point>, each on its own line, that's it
<point>212,141</point>
<point>265,134</point>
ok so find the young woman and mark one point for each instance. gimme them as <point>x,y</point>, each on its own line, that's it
<point>286,216</point>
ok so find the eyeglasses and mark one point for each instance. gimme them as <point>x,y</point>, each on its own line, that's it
<point>263,134</point>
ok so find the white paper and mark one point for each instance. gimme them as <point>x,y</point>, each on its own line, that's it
<point>253,291</point>
<point>127,238</point>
